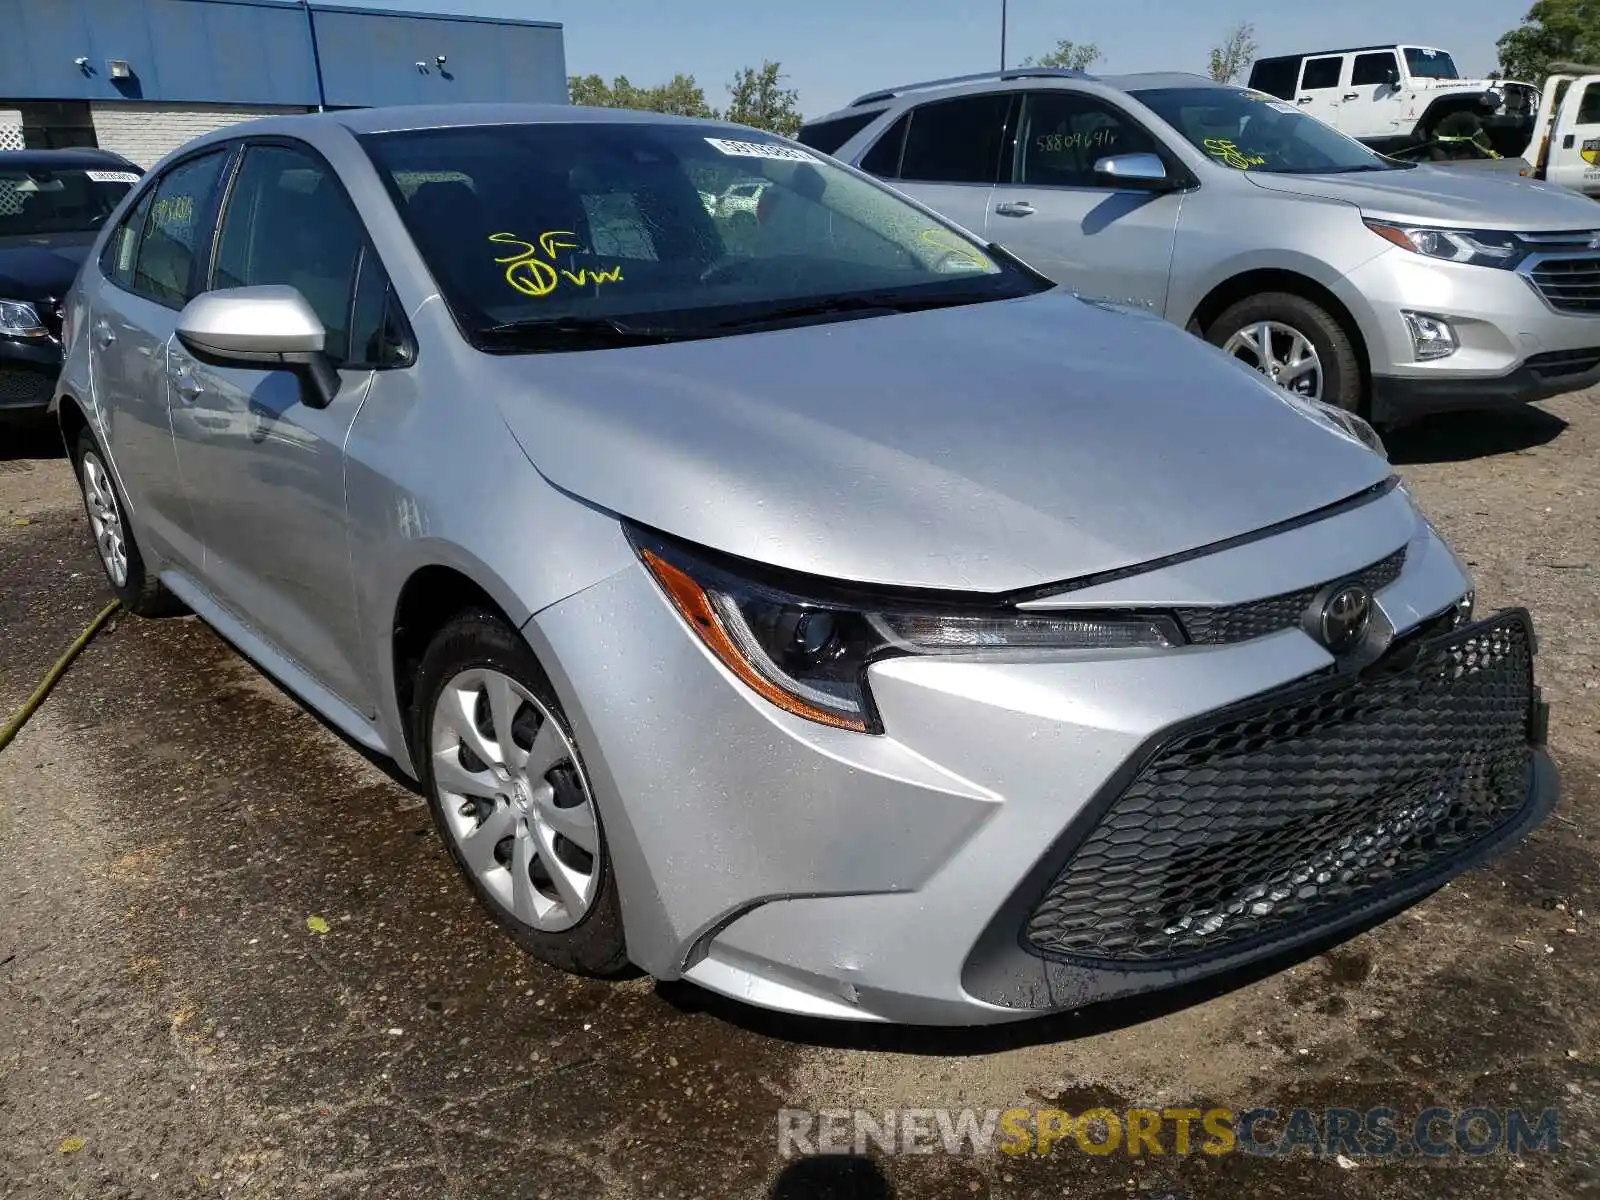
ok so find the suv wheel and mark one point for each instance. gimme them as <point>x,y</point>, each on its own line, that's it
<point>511,798</point>
<point>131,583</point>
<point>1295,343</point>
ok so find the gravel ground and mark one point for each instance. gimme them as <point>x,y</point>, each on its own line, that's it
<point>171,1026</point>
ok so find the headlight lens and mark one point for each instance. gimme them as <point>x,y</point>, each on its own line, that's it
<point>1478,247</point>
<point>809,654</point>
<point>18,318</point>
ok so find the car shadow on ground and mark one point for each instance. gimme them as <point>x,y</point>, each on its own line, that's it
<point>30,438</point>
<point>946,1041</point>
<point>1458,437</point>
<point>832,1177</point>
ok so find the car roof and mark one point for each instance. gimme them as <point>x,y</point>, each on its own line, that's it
<point>78,156</point>
<point>1021,79</point>
<point>1350,50</point>
<point>394,118</point>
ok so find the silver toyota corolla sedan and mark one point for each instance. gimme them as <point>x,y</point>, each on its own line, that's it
<point>820,607</point>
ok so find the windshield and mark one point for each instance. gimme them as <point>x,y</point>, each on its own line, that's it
<point>1430,64</point>
<point>1252,131</point>
<point>38,200</point>
<point>535,232</point>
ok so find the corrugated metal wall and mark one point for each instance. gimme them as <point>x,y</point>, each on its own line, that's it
<point>250,52</point>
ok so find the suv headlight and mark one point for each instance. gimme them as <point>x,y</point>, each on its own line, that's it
<point>805,645</point>
<point>18,318</point>
<point>1479,247</point>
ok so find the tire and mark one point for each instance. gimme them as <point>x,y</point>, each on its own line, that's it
<point>130,579</point>
<point>1342,385</point>
<point>494,823</point>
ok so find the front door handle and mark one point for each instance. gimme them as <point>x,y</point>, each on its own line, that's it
<point>103,336</point>
<point>185,384</point>
<point>1352,96</point>
<point>1014,208</point>
<point>1305,100</point>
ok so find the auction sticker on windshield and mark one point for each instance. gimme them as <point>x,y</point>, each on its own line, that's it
<point>760,150</point>
<point>112,176</point>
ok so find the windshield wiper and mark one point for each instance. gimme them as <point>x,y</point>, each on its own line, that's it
<point>848,304</point>
<point>570,332</point>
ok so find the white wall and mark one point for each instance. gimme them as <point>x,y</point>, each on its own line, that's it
<point>11,129</point>
<point>144,132</point>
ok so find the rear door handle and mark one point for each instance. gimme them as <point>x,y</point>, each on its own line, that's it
<point>103,336</point>
<point>1014,208</point>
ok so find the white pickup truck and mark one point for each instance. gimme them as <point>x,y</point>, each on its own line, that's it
<point>1565,148</point>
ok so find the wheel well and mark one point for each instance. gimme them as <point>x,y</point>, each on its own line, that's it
<point>1253,283</point>
<point>72,421</point>
<point>428,601</point>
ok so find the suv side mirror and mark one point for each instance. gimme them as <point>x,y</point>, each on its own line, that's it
<point>1391,75</point>
<point>1137,170</point>
<point>270,326</point>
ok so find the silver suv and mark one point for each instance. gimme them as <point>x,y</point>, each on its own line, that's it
<point>1378,286</point>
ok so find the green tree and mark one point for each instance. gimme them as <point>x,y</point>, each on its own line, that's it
<point>1553,31</point>
<point>758,98</point>
<point>1238,51</point>
<point>1068,54</point>
<point>680,95</point>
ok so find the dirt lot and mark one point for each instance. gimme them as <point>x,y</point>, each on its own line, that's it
<point>170,1026</point>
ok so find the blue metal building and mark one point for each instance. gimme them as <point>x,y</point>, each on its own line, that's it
<point>142,76</point>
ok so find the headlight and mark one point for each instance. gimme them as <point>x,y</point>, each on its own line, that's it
<point>807,651</point>
<point>18,318</point>
<point>1479,247</point>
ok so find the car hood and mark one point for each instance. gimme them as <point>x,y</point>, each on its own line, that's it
<point>987,447</point>
<point>35,267</point>
<point>1447,197</point>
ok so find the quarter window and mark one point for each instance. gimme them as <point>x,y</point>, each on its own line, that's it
<point>176,230</point>
<point>956,141</point>
<point>1064,134</point>
<point>1374,69</point>
<point>1321,73</point>
<point>1589,108</point>
<point>117,259</point>
<point>289,221</point>
<point>828,136</point>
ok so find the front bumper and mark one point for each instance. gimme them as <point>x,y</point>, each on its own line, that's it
<point>823,872</point>
<point>28,371</point>
<point>1514,346</point>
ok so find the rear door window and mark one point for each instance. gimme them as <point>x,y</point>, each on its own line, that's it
<point>1321,73</point>
<point>883,160</point>
<point>956,141</point>
<point>177,230</point>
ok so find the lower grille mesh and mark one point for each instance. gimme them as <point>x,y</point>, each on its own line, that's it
<point>1300,803</point>
<point>20,388</point>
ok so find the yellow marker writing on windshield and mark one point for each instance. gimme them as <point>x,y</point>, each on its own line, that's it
<point>530,275</point>
<point>946,240</point>
<point>1225,152</point>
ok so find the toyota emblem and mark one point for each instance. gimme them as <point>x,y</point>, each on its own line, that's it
<point>1345,618</point>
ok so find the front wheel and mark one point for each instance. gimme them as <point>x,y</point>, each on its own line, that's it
<point>510,795</point>
<point>1296,344</point>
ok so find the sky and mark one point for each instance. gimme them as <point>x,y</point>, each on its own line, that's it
<point>833,50</point>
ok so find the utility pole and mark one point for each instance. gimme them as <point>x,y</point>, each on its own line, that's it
<point>1002,35</point>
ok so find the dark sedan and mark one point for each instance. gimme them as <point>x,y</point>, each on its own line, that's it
<point>52,204</point>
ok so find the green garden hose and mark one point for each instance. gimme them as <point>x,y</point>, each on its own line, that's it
<point>14,726</point>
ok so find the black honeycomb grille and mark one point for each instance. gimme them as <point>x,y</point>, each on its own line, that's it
<point>1300,803</point>
<point>1257,618</point>
<point>24,388</point>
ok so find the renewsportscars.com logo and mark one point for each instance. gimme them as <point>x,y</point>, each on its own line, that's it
<point>1382,1133</point>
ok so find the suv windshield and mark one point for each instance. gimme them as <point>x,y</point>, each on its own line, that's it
<point>563,236</point>
<point>39,200</point>
<point>1252,131</point>
<point>1430,64</point>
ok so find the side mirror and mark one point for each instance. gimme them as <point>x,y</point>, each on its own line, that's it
<point>269,327</point>
<point>1139,170</point>
<point>1391,76</point>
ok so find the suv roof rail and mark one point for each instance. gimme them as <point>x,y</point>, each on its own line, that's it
<point>980,77</point>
